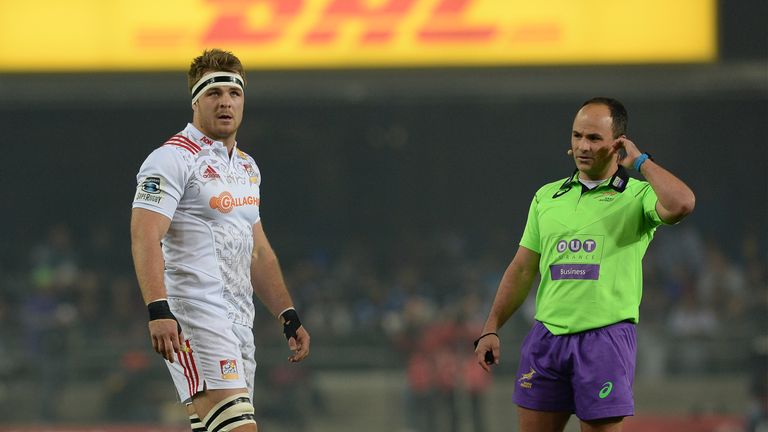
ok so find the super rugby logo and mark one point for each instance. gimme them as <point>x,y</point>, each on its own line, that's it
<point>151,185</point>
<point>225,202</point>
<point>150,190</point>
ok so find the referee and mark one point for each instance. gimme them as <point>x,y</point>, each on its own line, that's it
<point>586,235</point>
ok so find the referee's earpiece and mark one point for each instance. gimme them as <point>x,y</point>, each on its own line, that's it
<point>570,152</point>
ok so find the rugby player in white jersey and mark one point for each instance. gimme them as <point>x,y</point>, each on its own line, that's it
<point>200,253</point>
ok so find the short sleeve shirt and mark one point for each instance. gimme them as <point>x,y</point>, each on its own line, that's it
<point>591,244</point>
<point>213,202</point>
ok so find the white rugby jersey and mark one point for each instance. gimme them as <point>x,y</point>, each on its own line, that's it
<point>213,202</point>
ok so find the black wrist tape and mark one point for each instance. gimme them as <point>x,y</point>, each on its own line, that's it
<point>291,323</point>
<point>159,309</point>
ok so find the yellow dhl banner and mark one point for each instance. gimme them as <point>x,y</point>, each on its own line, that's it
<point>56,35</point>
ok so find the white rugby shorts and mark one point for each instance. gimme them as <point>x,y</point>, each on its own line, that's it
<point>220,354</point>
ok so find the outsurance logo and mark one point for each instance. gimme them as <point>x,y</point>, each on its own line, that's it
<point>576,245</point>
<point>225,202</point>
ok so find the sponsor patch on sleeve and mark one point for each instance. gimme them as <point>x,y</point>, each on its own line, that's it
<point>150,190</point>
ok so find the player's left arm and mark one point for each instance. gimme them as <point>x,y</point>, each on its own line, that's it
<point>676,199</point>
<point>270,288</point>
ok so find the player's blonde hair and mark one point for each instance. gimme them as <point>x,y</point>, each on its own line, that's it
<point>213,60</point>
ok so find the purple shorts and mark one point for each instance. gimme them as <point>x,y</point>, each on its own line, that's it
<point>588,373</point>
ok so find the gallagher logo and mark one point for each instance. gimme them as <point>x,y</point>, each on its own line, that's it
<point>225,202</point>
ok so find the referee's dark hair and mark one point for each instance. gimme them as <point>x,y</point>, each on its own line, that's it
<point>618,113</point>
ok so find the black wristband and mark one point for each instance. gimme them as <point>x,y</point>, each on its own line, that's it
<point>159,309</point>
<point>291,323</point>
<point>482,336</point>
<point>488,357</point>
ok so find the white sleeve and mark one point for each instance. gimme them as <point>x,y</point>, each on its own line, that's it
<point>161,181</point>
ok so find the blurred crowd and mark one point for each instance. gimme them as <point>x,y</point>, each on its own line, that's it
<point>71,315</point>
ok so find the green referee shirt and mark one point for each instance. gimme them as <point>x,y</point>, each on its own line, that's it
<point>591,244</point>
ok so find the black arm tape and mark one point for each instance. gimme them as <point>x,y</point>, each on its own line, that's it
<point>291,323</point>
<point>159,309</point>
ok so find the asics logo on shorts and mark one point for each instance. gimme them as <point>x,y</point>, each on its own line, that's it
<point>606,390</point>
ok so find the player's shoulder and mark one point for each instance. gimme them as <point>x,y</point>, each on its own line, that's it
<point>173,153</point>
<point>248,160</point>
<point>176,148</point>
<point>243,155</point>
<point>549,189</point>
<point>637,186</point>
<point>181,144</point>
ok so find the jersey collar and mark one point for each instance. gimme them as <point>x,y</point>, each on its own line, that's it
<point>617,182</point>
<point>202,138</point>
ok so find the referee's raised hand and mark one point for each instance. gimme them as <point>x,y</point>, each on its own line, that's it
<point>627,149</point>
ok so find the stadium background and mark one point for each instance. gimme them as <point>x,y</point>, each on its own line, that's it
<point>395,197</point>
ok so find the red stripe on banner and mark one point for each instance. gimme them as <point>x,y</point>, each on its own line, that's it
<point>188,141</point>
<point>194,366</point>
<point>186,373</point>
<point>184,146</point>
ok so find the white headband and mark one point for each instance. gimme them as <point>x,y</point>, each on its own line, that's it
<point>216,79</point>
